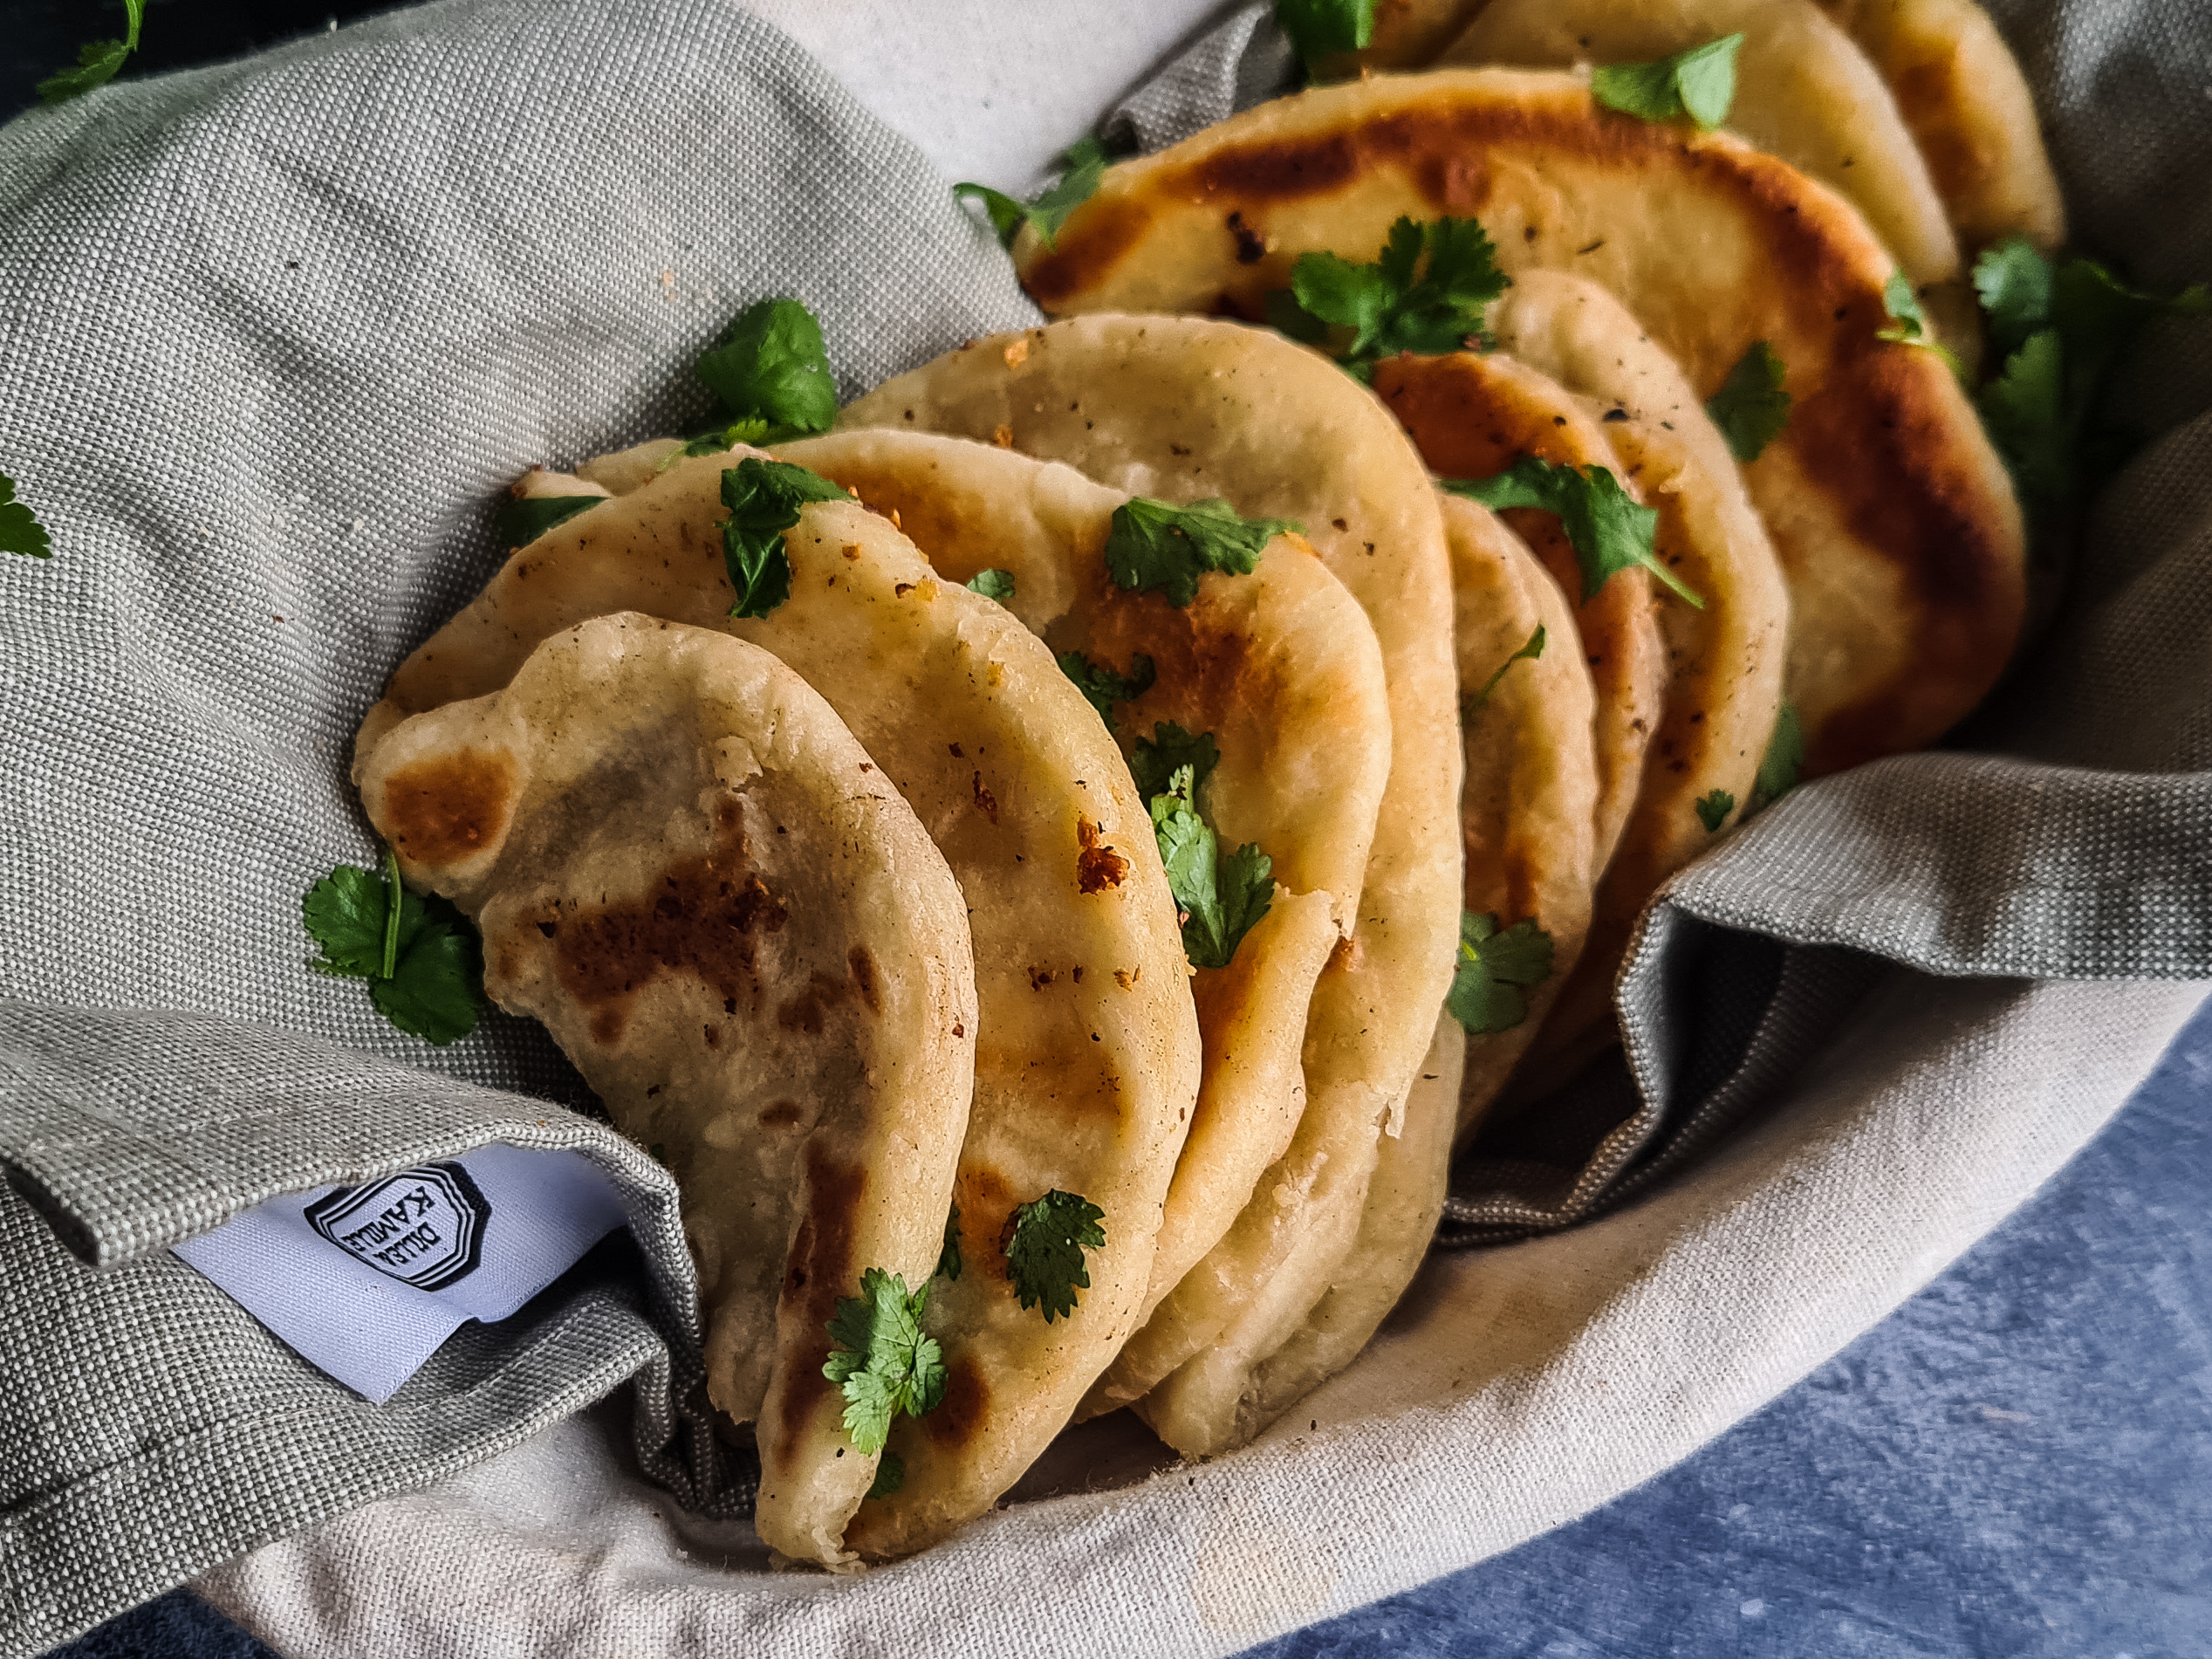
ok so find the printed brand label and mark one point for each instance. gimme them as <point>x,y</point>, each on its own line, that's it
<point>424,1227</point>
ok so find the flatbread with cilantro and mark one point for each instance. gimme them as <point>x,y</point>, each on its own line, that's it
<point>1187,408</point>
<point>1088,1061</point>
<point>1803,91</point>
<point>1725,659</point>
<point>1894,519</point>
<point>1271,681</point>
<point>685,866</point>
<point>1968,107</point>
<point>1475,418</point>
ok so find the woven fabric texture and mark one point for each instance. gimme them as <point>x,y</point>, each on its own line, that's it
<point>277,332</point>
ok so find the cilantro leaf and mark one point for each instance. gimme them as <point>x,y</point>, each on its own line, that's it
<point>763,499</point>
<point>1102,686</point>
<point>421,958</point>
<point>879,1358</point>
<point>1167,751</point>
<point>949,1263</point>
<point>2024,411</point>
<point>1220,896</point>
<point>1319,27</point>
<point>1751,408</point>
<point>1699,83</point>
<point>890,1475</point>
<point>1902,302</point>
<point>1494,972</point>
<point>1085,166</point>
<point>1386,308</point>
<point>1044,1245</point>
<point>715,439</point>
<point>20,531</point>
<point>1713,810</point>
<point>1532,648</point>
<point>992,584</point>
<point>1153,547</point>
<point>770,367</point>
<point>523,519</point>
<point>2013,283</point>
<point>1607,530</point>
<point>96,61</point>
<point>1780,767</point>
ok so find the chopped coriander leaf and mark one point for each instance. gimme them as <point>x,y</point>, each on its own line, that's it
<point>1608,531</point>
<point>724,436</point>
<point>96,61</point>
<point>1531,648</point>
<point>1903,304</point>
<point>890,1475</point>
<point>1102,686</point>
<point>949,1263</point>
<point>1153,547</point>
<point>522,520</point>
<point>1386,308</point>
<point>421,957</point>
<point>1078,182</point>
<point>879,1358</point>
<point>764,498</point>
<point>1317,28</point>
<point>1220,895</point>
<point>992,584</point>
<point>1494,972</point>
<point>1780,767</point>
<point>2013,283</point>
<point>20,531</point>
<point>1751,408</point>
<point>769,366</point>
<point>1713,810</point>
<point>1044,1244</point>
<point>1167,751</point>
<point>2024,410</point>
<point>1699,83</point>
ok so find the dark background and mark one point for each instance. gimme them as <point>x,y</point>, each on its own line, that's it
<point>2018,1463</point>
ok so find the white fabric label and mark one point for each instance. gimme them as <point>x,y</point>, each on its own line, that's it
<point>365,1281</point>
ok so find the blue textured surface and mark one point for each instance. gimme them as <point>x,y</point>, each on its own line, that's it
<point>2017,1463</point>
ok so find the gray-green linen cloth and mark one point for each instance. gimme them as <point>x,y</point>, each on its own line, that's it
<point>273,335</point>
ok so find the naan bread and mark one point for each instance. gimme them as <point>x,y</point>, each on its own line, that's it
<point>1270,1358</point>
<point>685,867</point>
<point>1280,667</point>
<point>1184,409</point>
<point>1473,416</point>
<point>1087,1064</point>
<point>1725,662</point>
<point>1894,519</point>
<point>1803,91</point>
<point>1968,107</point>
<point>1528,809</point>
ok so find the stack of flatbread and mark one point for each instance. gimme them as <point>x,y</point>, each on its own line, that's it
<point>863,897</point>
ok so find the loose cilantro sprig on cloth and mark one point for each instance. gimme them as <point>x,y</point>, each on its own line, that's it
<point>992,585</point>
<point>1104,687</point>
<point>881,1362</point>
<point>1531,648</point>
<point>1045,1240</point>
<point>1220,895</point>
<point>1608,531</point>
<point>1699,83</point>
<point>1152,547</point>
<point>1495,971</point>
<point>1318,28</point>
<point>1386,308</point>
<point>1751,408</point>
<point>1084,166</point>
<point>421,958</point>
<point>523,519</point>
<point>98,61</point>
<point>1159,757</point>
<point>1713,810</point>
<point>771,372</point>
<point>763,499</point>
<point>20,531</point>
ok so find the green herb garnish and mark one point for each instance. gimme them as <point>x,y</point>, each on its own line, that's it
<point>1317,28</point>
<point>522,520</point>
<point>1531,648</point>
<point>1751,408</point>
<point>1044,1245</point>
<point>1159,757</point>
<point>1102,686</point>
<point>764,498</point>
<point>421,958</point>
<point>1699,83</point>
<point>20,531</point>
<point>1385,306</point>
<point>880,1360</point>
<point>1152,547</point>
<point>1713,810</point>
<point>96,61</point>
<point>1608,531</point>
<point>1084,166</point>
<point>1220,895</point>
<point>1494,972</point>
<point>992,585</point>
